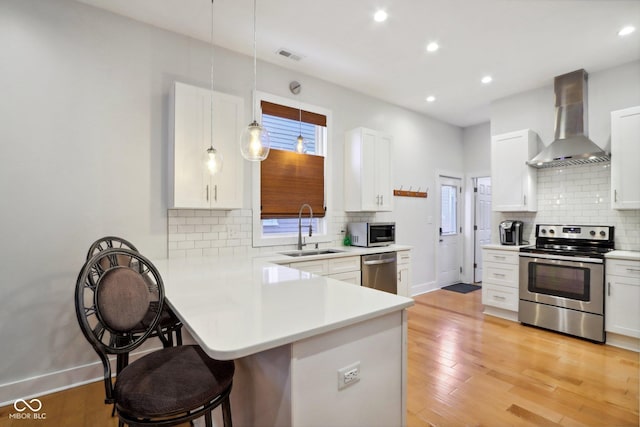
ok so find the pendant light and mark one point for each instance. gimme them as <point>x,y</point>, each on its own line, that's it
<point>254,141</point>
<point>213,158</point>
<point>300,148</point>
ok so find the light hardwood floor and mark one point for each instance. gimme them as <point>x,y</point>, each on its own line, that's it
<point>468,369</point>
<point>465,369</point>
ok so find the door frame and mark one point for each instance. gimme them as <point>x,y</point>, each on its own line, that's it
<point>461,220</point>
<point>469,219</point>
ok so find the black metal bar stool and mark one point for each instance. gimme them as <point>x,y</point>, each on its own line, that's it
<point>115,291</point>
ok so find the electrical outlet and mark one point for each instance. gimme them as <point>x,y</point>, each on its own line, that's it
<point>348,375</point>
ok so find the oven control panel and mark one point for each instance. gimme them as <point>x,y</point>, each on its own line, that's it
<point>590,232</point>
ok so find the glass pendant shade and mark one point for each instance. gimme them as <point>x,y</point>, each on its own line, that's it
<point>214,161</point>
<point>254,142</point>
<point>300,141</point>
<point>300,144</point>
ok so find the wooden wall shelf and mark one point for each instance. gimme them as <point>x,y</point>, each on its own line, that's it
<point>407,193</point>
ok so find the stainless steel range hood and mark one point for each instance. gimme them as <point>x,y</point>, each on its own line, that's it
<point>571,145</point>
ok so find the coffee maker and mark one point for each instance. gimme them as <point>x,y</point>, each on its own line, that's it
<point>511,232</point>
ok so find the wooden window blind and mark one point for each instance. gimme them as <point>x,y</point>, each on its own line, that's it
<point>289,179</point>
<point>293,113</point>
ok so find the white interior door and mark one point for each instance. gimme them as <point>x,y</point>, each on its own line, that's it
<point>450,239</point>
<point>482,235</point>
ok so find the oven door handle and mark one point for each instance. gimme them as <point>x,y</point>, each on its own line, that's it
<point>562,257</point>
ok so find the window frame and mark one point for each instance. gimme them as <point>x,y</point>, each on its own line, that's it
<point>319,236</point>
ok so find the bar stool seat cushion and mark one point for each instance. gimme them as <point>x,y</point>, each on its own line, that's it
<point>170,381</point>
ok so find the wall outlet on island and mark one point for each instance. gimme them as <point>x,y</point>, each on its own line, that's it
<point>348,375</point>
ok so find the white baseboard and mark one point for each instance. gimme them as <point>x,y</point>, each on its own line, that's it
<point>423,288</point>
<point>56,381</point>
<point>628,343</point>
<point>500,312</point>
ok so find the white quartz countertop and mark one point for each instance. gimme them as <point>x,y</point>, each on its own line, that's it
<point>628,255</point>
<point>514,248</point>
<point>238,306</point>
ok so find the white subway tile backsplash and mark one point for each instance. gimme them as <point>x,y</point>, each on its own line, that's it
<point>186,244</point>
<point>578,195</point>
<point>201,232</point>
<point>186,229</point>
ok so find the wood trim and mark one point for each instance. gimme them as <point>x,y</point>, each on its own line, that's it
<point>289,179</point>
<point>292,113</point>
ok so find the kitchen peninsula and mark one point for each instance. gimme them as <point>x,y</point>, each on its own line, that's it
<point>293,336</point>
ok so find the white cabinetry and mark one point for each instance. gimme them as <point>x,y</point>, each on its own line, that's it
<point>500,292</point>
<point>367,171</point>
<point>404,273</point>
<point>622,317</point>
<point>346,269</point>
<point>513,181</point>
<point>625,153</point>
<point>190,183</point>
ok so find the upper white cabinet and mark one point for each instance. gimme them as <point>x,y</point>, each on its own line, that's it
<point>625,153</point>
<point>367,171</point>
<point>190,183</point>
<point>513,181</point>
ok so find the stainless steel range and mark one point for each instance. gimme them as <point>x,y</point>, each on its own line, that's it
<point>562,279</point>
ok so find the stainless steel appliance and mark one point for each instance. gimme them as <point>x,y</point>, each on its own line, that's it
<point>379,271</point>
<point>368,234</point>
<point>511,232</point>
<point>562,279</point>
<point>571,145</point>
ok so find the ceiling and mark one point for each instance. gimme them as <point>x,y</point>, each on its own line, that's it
<point>522,44</point>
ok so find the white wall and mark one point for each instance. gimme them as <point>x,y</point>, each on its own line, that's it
<point>608,90</point>
<point>83,154</point>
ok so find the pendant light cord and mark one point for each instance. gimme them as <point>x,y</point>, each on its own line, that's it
<point>211,73</point>
<point>255,66</point>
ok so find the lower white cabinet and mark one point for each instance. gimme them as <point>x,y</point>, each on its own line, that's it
<point>404,273</point>
<point>346,269</point>
<point>500,293</point>
<point>622,297</point>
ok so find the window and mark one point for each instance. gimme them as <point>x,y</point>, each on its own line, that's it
<point>289,179</point>
<point>449,205</point>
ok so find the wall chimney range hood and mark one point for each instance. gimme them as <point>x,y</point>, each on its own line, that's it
<point>571,145</point>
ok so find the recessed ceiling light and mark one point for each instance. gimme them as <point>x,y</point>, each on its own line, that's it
<point>432,47</point>
<point>487,79</point>
<point>625,31</point>
<point>431,98</point>
<point>380,16</point>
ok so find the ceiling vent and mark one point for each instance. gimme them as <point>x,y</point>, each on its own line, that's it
<point>289,54</point>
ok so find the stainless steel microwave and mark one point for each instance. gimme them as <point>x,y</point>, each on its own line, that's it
<point>368,234</point>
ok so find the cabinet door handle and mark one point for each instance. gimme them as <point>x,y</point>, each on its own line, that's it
<point>400,276</point>
<point>215,192</point>
<point>499,298</point>
<point>608,288</point>
<point>382,200</point>
<point>633,270</point>
<point>615,195</point>
<point>499,257</point>
<point>525,199</point>
<point>498,274</point>
<point>207,192</point>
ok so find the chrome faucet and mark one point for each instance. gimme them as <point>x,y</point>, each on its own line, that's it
<point>300,244</point>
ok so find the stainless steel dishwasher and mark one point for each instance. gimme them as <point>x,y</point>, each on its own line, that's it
<point>379,271</point>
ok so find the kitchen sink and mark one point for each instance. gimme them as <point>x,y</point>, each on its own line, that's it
<point>311,252</point>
